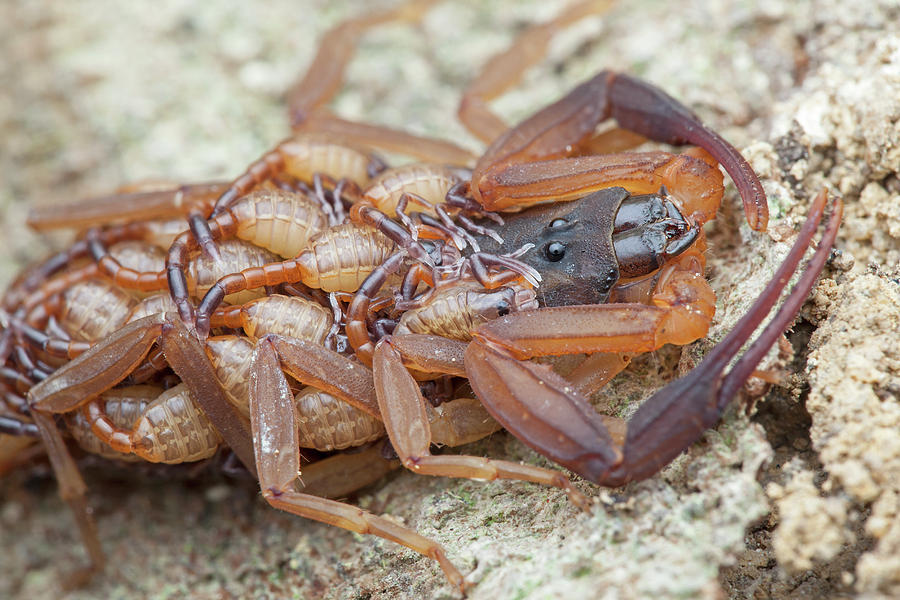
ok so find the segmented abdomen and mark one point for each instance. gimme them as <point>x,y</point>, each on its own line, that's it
<point>431,182</point>
<point>123,406</point>
<point>308,155</point>
<point>173,429</point>
<point>236,255</point>
<point>327,423</point>
<point>340,258</point>
<point>278,221</point>
<point>94,309</point>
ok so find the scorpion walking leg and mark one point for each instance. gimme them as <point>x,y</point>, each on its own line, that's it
<point>612,141</point>
<point>34,277</point>
<point>17,426</point>
<point>274,422</point>
<point>318,85</point>
<point>72,490</point>
<point>504,70</point>
<point>403,410</point>
<point>109,362</point>
<point>325,74</point>
<point>189,361</point>
<point>597,369</point>
<point>135,206</point>
<point>313,364</point>
<point>144,281</point>
<point>379,137</point>
<point>16,451</point>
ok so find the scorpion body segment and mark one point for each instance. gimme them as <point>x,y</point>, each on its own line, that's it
<point>230,356</point>
<point>454,312</point>
<point>418,180</point>
<point>92,310</point>
<point>340,258</point>
<point>235,255</point>
<point>337,259</point>
<point>302,157</point>
<point>139,255</point>
<point>151,305</point>
<point>123,407</point>
<point>289,316</point>
<point>326,423</point>
<point>171,429</point>
<point>276,220</point>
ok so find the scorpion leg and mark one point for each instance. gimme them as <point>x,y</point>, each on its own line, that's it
<point>72,490</point>
<point>188,359</point>
<point>561,128</point>
<point>274,422</point>
<point>318,85</point>
<point>98,369</point>
<point>380,137</point>
<point>16,450</point>
<point>34,277</point>
<point>135,206</point>
<point>111,361</point>
<point>572,433</point>
<point>313,364</point>
<point>325,74</point>
<point>436,354</point>
<point>128,278</point>
<point>505,69</point>
<point>598,369</point>
<point>612,141</point>
<point>403,411</point>
<point>18,426</point>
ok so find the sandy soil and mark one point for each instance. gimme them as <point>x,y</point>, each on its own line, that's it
<point>800,500</point>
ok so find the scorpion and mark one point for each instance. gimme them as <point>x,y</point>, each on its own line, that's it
<point>620,261</point>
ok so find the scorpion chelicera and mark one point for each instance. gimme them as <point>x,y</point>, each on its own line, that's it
<point>596,253</point>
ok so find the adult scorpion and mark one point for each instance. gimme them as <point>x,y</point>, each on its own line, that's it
<point>621,259</point>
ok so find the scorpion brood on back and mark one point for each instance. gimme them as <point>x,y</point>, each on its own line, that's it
<point>390,295</point>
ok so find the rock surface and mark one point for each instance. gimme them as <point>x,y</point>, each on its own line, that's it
<point>801,500</point>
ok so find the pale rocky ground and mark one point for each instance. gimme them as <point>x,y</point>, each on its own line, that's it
<point>799,501</point>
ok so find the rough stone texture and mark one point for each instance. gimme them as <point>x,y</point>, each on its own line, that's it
<point>99,94</point>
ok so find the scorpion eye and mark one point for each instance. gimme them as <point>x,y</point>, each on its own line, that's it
<point>555,251</point>
<point>503,308</point>
<point>557,223</point>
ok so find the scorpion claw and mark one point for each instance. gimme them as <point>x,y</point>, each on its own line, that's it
<point>677,415</point>
<point>200,229</point>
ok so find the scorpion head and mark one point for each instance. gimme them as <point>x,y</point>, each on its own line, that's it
<point>583,247</point>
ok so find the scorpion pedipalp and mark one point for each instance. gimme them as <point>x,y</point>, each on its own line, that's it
<point>671,419</point>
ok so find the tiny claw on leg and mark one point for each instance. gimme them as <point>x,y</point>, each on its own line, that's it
<point>200,229</point>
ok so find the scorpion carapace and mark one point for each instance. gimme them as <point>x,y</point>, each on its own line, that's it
<point>583,248</point>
